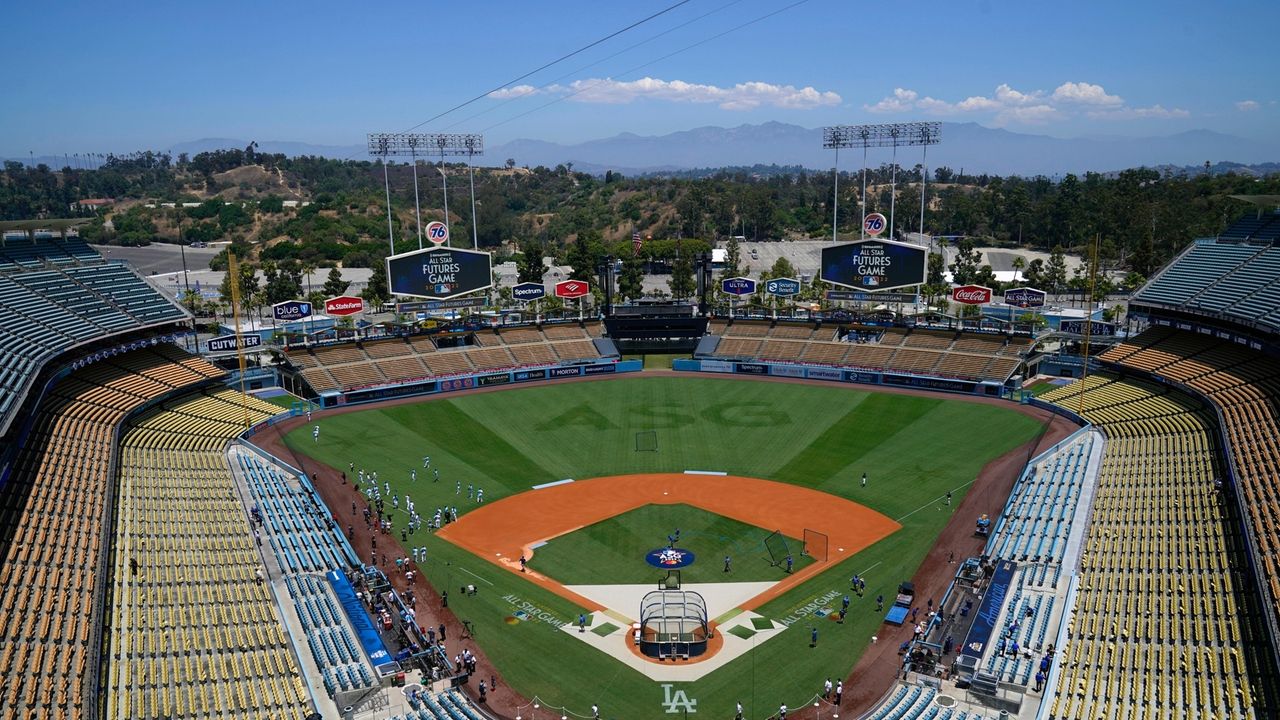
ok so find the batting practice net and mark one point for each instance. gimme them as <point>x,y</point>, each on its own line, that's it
<point>815,545</point>
<point>647,441</point>
<point>777,547</point>
<point>673,623</point>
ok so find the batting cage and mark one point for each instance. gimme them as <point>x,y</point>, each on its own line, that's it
<point>815,545</point>
<point>777,547</point>
<point>673,623</point>
<point>647,441</point>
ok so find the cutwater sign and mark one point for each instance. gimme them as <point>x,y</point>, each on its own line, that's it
<point>439,273</point>
<point>528,291</point>
<point>738,286</point>
<point>291,310</point>
<point>1024,297</point>
<point>782,287</point>
<point>232,342</point>
<point>874,265</point>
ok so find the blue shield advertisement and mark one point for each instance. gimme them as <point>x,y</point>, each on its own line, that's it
<point>738,286</point>
<point>782,287</point>
<point>439,273</point>
<point>291,310</point>
<point>873,265</point>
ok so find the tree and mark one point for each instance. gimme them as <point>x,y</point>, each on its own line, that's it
<point>965,266</point>
<point>334,285</point>
<point>733,257</point>
<point>1018,264</point>
<point>782,268</point>
<point>681,282</point>
<point>1034,276</point>
<point>631,279</point>
<point>937,263</point>
<point>529,267</point>
<point>376,292</point>
<point>1056,272</point>
<point>511,163</point>
<point>248,286</point>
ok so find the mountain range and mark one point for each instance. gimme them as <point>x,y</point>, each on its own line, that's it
<point>969,147</point>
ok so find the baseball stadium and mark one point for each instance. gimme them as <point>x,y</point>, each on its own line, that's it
<point>642,511</point>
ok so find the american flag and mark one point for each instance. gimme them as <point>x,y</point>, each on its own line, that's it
<point>636,242</point>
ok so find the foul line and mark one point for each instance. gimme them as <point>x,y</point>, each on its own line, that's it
<point>931,502</point>
<point>704,472</point>
<point>553,484</point>
<point>474,575</point>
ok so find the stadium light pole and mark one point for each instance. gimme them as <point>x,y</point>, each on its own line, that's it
<point>884,135</point>
<point>475,146</point>
<point>380,146</point>
<point>417,206</point>
<point>835,195</point>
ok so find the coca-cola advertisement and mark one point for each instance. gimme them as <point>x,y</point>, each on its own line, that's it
<point>971,294</point>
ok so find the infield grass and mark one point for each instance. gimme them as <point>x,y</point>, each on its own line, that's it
<point>613,551</point>
<point>914,449</point>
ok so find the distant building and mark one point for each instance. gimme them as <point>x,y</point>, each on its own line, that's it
<point>94,204</point>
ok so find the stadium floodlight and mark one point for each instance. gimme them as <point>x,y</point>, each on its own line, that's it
<point>442,144</point>
<point>891,135</point>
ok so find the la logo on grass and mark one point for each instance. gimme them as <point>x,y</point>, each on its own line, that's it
<point>678,701</point>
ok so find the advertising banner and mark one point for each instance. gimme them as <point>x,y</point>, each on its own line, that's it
<point>570,289</point>
<point>343,305</point>
<point>782,287</point>
<point>559,372</point>
<point>225,344</point>
<point>1076,327</point>
<point>291,310</point>
<point>718,366</point>
<point>879,297</point>
<point>738,286</point>
<point>526,292</point>
<point>494,379</point>
<point>752,368</point>
<point>824,373</point>
<point>1025,297</point>
<point>874,265</point>
<point>984,623</point>
<point>598,369</point>
<point>971,294</point>
<point>527,375</point>
<point>786,371</point>
<point>439,273</point>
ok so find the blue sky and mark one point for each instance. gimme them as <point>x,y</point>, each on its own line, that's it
<point>94,76</point>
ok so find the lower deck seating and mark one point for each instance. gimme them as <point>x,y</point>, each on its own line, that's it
<point>193,631</point>
<point>52,509</point>
<point>1164,622</point>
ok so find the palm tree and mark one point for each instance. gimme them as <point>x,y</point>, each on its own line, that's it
<point>1018,264</point>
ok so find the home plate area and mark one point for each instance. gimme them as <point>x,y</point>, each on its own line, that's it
<point>734,631</point>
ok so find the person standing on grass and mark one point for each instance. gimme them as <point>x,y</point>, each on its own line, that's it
<point>426,461</point>
<point>727,560</point>
<point>844,608</point>
<point>864,479</point>
<point>789,562</point>
<point>839,691</point>
<point>315,433</point>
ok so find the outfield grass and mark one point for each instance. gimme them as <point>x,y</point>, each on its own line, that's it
<point>285,401</point>
<point>613,551</point>
<point>913,448</point>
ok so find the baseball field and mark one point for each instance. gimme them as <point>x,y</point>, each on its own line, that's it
<point>817,440</point>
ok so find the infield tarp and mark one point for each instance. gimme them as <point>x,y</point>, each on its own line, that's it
<point>984,624</point>
<point>366,633</point>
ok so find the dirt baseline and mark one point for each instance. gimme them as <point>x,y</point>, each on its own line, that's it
<point>501,531</point>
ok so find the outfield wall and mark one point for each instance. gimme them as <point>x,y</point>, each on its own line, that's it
<point>864,377</point>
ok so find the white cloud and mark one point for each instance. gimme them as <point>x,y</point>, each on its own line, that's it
<point>514,92</point>
<point>1085,94</point>
<point>1008,105</point>
<point>1248,105</point>
<point>743,96</point>
<point>900,101</point>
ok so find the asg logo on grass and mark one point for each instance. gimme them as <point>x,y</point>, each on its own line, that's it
<point>670,558</point>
